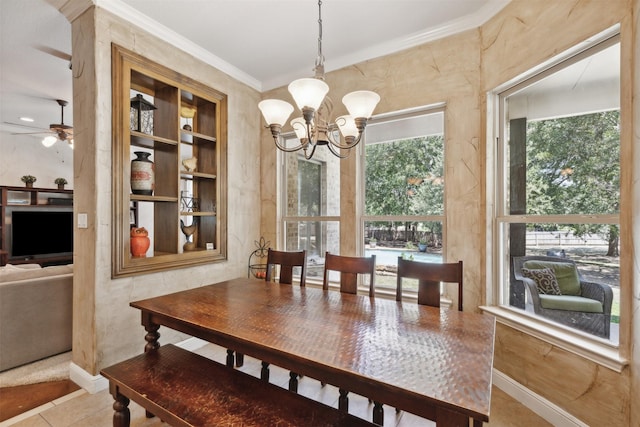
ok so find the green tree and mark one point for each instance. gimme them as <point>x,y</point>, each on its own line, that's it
<point>405,177</point>
<point>573,167</point>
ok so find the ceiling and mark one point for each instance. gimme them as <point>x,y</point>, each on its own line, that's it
<point>264,43</point>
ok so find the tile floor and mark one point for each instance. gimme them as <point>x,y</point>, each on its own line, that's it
<point>81,409</point>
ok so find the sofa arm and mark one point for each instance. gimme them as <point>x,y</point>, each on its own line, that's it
<point>599,292</point>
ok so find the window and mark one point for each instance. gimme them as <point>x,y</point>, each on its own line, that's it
<point>310,205</point>
<point>404,191</point>
<point>558,182</point>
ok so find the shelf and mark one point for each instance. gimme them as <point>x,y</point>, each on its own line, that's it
<point>196,175</point>
<point>142,198</point>
<point>187,137</point>
<point>186,213</point>
<point>151,142</point>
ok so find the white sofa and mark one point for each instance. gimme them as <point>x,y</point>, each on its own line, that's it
<point>36,306</point>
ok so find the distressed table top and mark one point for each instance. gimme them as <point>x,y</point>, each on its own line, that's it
<point>416,358</point>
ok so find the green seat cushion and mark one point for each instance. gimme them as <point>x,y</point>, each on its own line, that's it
<point>566,275</point>
<point>571,303</point>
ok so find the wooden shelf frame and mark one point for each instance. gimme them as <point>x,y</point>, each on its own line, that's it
<point>169,145</point>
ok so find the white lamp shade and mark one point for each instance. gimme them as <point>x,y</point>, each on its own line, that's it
<point>347,126</point>
<point>361,103</point>
<point>48,141</point>
<point>299,127</point>
<point>275,111</point>
<point>308,92</point>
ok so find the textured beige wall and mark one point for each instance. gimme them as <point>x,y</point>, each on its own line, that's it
<point>446,71</point>
<point>521,36</point>
<point>458,71</point>
<point>106,329</point>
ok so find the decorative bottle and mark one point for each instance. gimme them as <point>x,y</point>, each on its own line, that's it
<point>142,174</point>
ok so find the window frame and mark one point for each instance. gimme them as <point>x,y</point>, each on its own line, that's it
<point>364,218</point>
<point>596,349</point>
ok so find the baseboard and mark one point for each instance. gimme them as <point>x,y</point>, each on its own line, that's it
<point>91,383</point>
<point>538,404</point>
<point>96,383</point>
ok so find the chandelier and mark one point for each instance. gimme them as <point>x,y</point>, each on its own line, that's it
<point>314,127</point>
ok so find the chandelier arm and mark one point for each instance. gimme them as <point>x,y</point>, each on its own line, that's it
<point>347,146</point>
<point>280,146</point>
<point>313,150</point>
<point>337,153</point>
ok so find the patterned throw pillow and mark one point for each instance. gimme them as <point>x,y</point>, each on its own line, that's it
<point>545,280</point>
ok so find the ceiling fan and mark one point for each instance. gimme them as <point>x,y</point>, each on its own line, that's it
<point>61,131</point>
<point>64,132</point>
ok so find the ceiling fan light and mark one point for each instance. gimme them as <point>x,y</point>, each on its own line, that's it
<point>308,92</point>
<point>48,141</point>
<point>275,111</point>
<point>361,103</point>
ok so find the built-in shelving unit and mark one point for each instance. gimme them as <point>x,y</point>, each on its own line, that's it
<point>188,129</point>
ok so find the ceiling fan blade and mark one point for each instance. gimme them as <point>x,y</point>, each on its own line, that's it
<point>30,133</point>
<point>55,52</point>
<point>24,126</point>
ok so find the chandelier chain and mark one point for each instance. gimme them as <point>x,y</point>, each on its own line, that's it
<point>320,58</point>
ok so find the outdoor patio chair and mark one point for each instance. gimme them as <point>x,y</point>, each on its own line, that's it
<point>570,300</point>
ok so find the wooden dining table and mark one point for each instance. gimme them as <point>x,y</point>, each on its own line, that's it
<point>432,362</point>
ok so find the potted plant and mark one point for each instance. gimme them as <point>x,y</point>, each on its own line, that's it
<point>372,242</point>
<point>61,183</point>
<point>28,180</point>
<point>422,246</point>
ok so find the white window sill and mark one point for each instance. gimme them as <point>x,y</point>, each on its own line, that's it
<point>598,350</point>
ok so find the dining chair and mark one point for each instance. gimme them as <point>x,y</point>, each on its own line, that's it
<point>429,276</point>
<point>349,269</point>
<point>286,261</point>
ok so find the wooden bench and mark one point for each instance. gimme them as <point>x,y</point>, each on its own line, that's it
<point>185,389</point>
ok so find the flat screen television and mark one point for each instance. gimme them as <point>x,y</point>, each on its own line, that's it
<point>40,232</point>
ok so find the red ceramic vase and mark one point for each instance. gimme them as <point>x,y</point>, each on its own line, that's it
<point>139,242</point>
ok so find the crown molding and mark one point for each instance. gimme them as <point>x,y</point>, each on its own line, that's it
<point>469,22</point>
<point>74,8</point>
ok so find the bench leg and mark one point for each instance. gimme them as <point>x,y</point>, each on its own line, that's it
<point>343,400</point>
<point>122,415</point>
<point>293,382</point>
<point>378,413</point>
<point>264,372</point>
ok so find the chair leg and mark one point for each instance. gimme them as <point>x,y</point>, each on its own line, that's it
<point>343,400</point>
<point>239,359</point>
<point>264,372</point>
<point>229,358</point>
<point>293,382</point>
<point>378,413</point>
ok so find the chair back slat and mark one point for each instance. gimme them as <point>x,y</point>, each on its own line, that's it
<point>350,268</point>
<point>429,276</point>
<point>287,261</point>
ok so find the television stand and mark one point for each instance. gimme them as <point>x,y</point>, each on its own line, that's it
<point>43,261</point>
<point>31,199</point>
